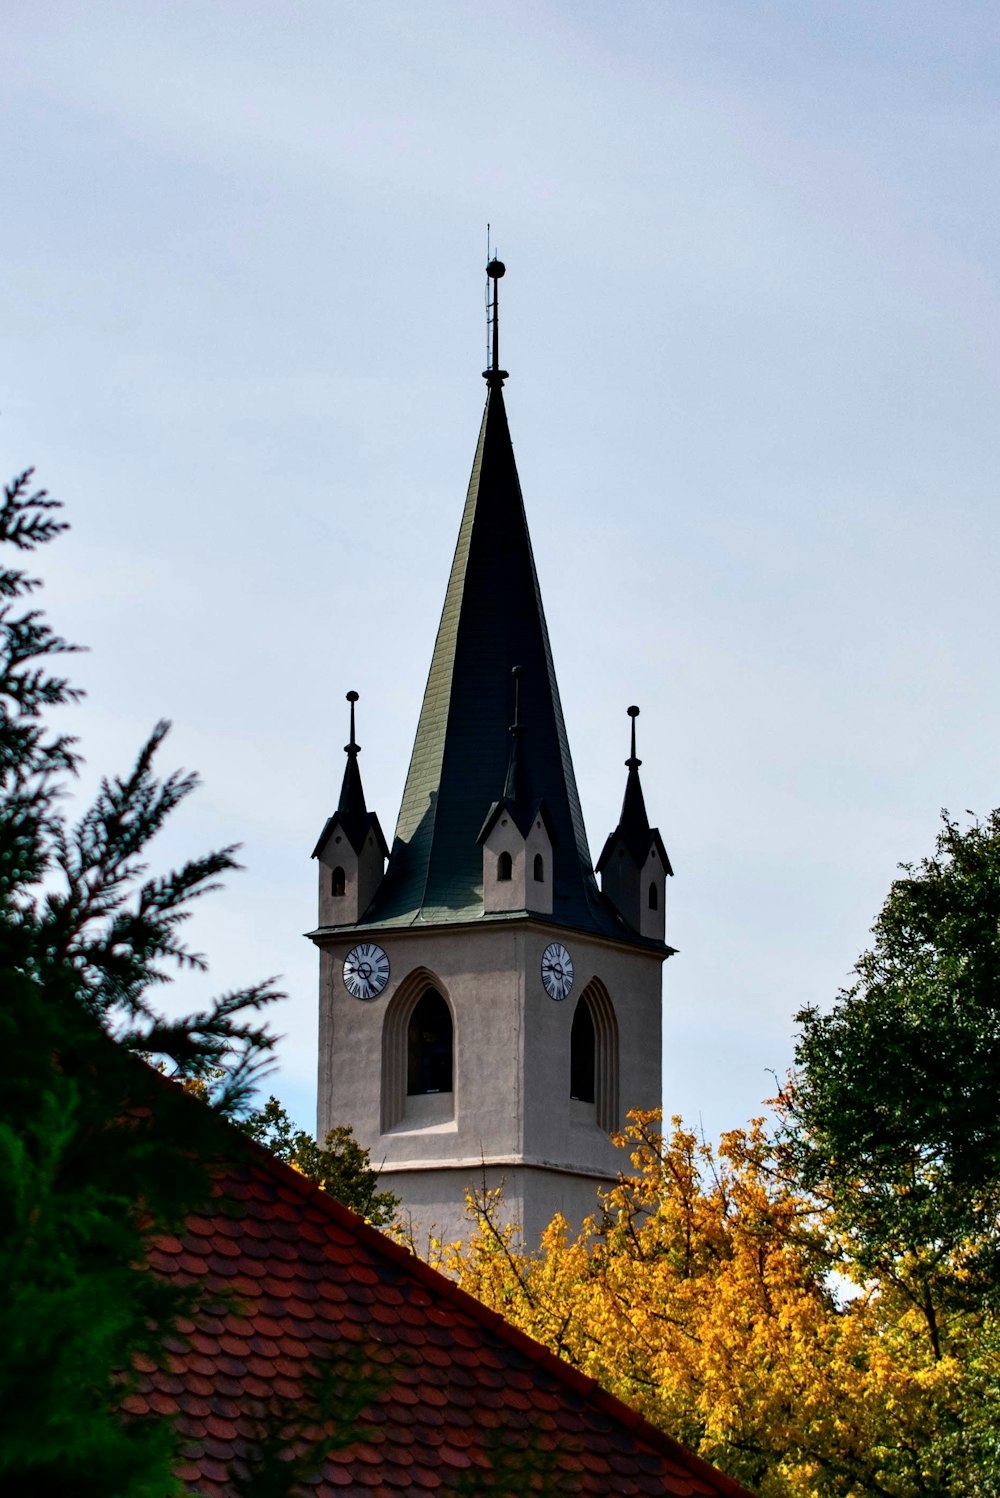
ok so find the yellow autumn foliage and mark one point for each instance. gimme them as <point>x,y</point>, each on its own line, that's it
<point>702,1295</point>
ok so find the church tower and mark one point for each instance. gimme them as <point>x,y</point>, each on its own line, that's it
<point>485,1011</point>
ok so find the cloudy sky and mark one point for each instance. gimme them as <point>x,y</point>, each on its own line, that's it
<point>751,320</point>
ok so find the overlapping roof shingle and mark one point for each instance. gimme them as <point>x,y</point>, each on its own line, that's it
<point>294,1276</point>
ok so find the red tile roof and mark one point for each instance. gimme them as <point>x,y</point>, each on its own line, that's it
<point>294,1274</point>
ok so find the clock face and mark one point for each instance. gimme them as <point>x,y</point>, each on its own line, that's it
<point>366,971</point>
<point>557,971</point>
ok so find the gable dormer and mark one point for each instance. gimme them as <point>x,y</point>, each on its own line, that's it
<point>351,849</point>
<point>518,835</point>
<point>633,865</point>
<point>517,858</point>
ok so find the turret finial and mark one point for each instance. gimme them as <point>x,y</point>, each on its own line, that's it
<point>495,376</point>
<point>633,713</point>
<point>353,748</point>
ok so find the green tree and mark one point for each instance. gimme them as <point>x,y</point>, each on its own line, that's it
<point>892,1113</point>
<point>339,1165</point>
<point>96,1154</point>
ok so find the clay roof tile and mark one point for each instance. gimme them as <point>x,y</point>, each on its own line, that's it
<point>298,1277</point>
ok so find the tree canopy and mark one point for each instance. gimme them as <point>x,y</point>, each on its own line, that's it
<point>814,1307</point>
<point>892,1113</point>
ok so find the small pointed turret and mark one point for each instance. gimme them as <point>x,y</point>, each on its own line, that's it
<point>633,822</point>
<point>351,807</point>
<point>352,848</point>
<point>633,865</point>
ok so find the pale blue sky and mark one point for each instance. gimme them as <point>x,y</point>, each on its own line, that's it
<point>751,320</point>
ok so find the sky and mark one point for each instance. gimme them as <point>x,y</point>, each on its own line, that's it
<point>751,321</point>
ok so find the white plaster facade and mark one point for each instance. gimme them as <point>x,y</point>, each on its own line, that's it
<point>510,1111</point>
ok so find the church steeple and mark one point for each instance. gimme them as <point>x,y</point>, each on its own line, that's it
<point>492,620</point>
<point>486,1012</point>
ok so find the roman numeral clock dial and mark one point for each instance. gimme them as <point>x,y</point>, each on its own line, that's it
<point>366,971</point>
<point>557,971</point>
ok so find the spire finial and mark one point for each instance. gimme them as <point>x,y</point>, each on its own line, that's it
<point>495,376</point>
<point>516,727</point>
<point>633,713</point>
<point>515,788</point>
<point>352,749</point>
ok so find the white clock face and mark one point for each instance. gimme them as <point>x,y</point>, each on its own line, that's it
<point>366,971</point>
<point>557,971</point>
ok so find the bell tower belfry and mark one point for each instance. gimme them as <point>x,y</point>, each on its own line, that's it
<point>485,1011</point>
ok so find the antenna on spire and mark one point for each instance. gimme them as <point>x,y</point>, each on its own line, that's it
<point>494,375</point>
<point>633,713</point>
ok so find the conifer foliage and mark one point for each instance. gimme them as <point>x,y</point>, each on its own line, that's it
<point>86,937</point>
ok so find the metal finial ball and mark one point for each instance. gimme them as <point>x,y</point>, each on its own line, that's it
<point>495,269</point>
<point>633,712</point>
<point>517,671</point>
<point>352,696</point>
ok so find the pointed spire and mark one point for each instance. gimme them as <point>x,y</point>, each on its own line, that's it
<point>352,812</point>
<point>351,805</point>
<point>633,822</point>
<point>492,619</point>
<point>495,376</point>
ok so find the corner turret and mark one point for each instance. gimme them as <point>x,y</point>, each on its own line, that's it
<point>633,865</point>
<point>351,849</point>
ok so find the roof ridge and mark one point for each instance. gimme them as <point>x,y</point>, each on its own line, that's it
<point>581,1383</point>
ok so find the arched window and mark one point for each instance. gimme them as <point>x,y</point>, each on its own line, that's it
<point>582,1054</point>
<point>505,868</point>
<point>420,1042</point>
<point>654,896</point>
<point>539,869</point>
<point>429,1046</point>
<point>593,1059</point>
<point>337,881</point>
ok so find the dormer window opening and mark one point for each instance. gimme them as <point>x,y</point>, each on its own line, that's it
<point>338,881</point>
<point>505,868</point>
<point>539,869</point>
<point>654,896</point>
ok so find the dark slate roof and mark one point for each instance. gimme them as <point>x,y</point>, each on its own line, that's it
<point>492,621</point>
<point>290,1275</point>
